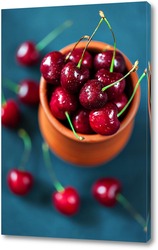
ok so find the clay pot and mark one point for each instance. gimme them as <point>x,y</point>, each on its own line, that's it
<point>95,149</point>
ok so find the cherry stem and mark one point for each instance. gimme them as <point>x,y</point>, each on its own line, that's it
<point>114,51</point>
<point>11,85</point>
<point>134,91</point>
<point>52,35</point>
<point>27,147</point>
<point>89,40</point>
<point>127,205</point>
<point>3,99</point>
<point>69,54</point>
<point>72,127</point>
<point>134,68</point>
<point>47,159</point>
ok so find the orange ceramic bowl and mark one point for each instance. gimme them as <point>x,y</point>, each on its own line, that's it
<point>95,149</point>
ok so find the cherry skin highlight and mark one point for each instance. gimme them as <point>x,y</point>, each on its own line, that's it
<point>27,54</point>
<point>66,201</point>
<point>76,56</point>
<point>28,92</point>
<point>10,114</point>
<point>80,121</point>
<point>121,101</point>
<point>19,182</point>
<point>104,121</point>
<point>105,191</point>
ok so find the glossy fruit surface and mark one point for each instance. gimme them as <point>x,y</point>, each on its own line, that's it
<point>19,182</point>
<point>10,114</point>
<point>80,121</point>
<point>105,191</point>
<point>51,67</point>
<point>67,201</point>
<point>121,101</point>
<point>28,92</point>
<point>76,56</point>
<point>104,121</point>
<point>27,54</point>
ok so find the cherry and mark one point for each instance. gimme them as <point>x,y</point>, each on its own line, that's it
<point>66,201</point>
<point>105,191</point>
<point>121,101</point>
<point>61,101</point>
<point>51,67</point>
<point>76,55</point>
<point>103,60</point>
<point>104,121</point>
<point>28,53</point>
<point>10,114</point>
<point>80,121</point>
<point>108,78</point>
<point>72,77</point>
<point>91,95</point>
<point>20,182</point>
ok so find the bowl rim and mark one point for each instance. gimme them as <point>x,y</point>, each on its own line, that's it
<point>97,45</point>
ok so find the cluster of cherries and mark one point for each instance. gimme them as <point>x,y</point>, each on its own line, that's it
<point>73,82</point>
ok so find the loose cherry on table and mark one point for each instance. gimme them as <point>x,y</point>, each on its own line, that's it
<point>65,199</point>
<point>19,180</point>
<point>28,53</point>
<point>27,90</point>
<point>107,191</point>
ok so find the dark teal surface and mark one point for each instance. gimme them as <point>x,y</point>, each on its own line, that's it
<point>34,214</point>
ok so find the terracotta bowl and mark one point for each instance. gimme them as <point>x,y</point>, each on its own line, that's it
<point>95,149</point>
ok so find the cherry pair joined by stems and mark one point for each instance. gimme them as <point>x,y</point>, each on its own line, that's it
<point>107,191</point>
<point>19,180</point>
<point>28,52</point>
<point>65,199</point>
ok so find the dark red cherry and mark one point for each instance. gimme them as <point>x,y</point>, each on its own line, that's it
<point>61,101</point>
<point>72,78</point>
<point>104,121</point>
<point>80,121</point>
<point>27,54</point>
<point>28,92</point>
<point>19,182</point>
<point>10,114</point>
<point>51,67</point>
<point>105,191</point>
<point>66,201</point>
<point>121,101</point>
<point>103,60</point>
<point>91,95</point>
<point>108,78</point>
<point>76,56</point>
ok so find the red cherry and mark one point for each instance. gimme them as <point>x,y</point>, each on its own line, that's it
<point>20,182</point>
<point>51,67</point>
<point>105,191</point>
<point>10,114</point>
<point>121,101</point>
<point>66,201</point>
<point>80,121</point>
<point>28,92</point>
<point>76,56</point>
<point>27,54</point>
<point>104,121</point>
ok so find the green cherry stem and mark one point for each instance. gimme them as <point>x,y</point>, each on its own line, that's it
<point>134,91</point>
<point>27,147</point>
<point>72,127</point>
<point>114,51</point>
<point>52,35</point>
<point>127,205</point>
<point>11,85</point>
<point>3,99</point>
<point>133,69</point>
<point>48,163</point>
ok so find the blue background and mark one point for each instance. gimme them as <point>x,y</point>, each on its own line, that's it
<point>34,215</point>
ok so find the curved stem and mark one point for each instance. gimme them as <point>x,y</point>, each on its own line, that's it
<point>134,68</point>
<point>127,205</point>
<point>52,35</point>
<point>72,127</point>
<point>114,51</point>
<point>11,85</point>
<point>27,147</point>
<point>47,159</point>
<point>134,91</point>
